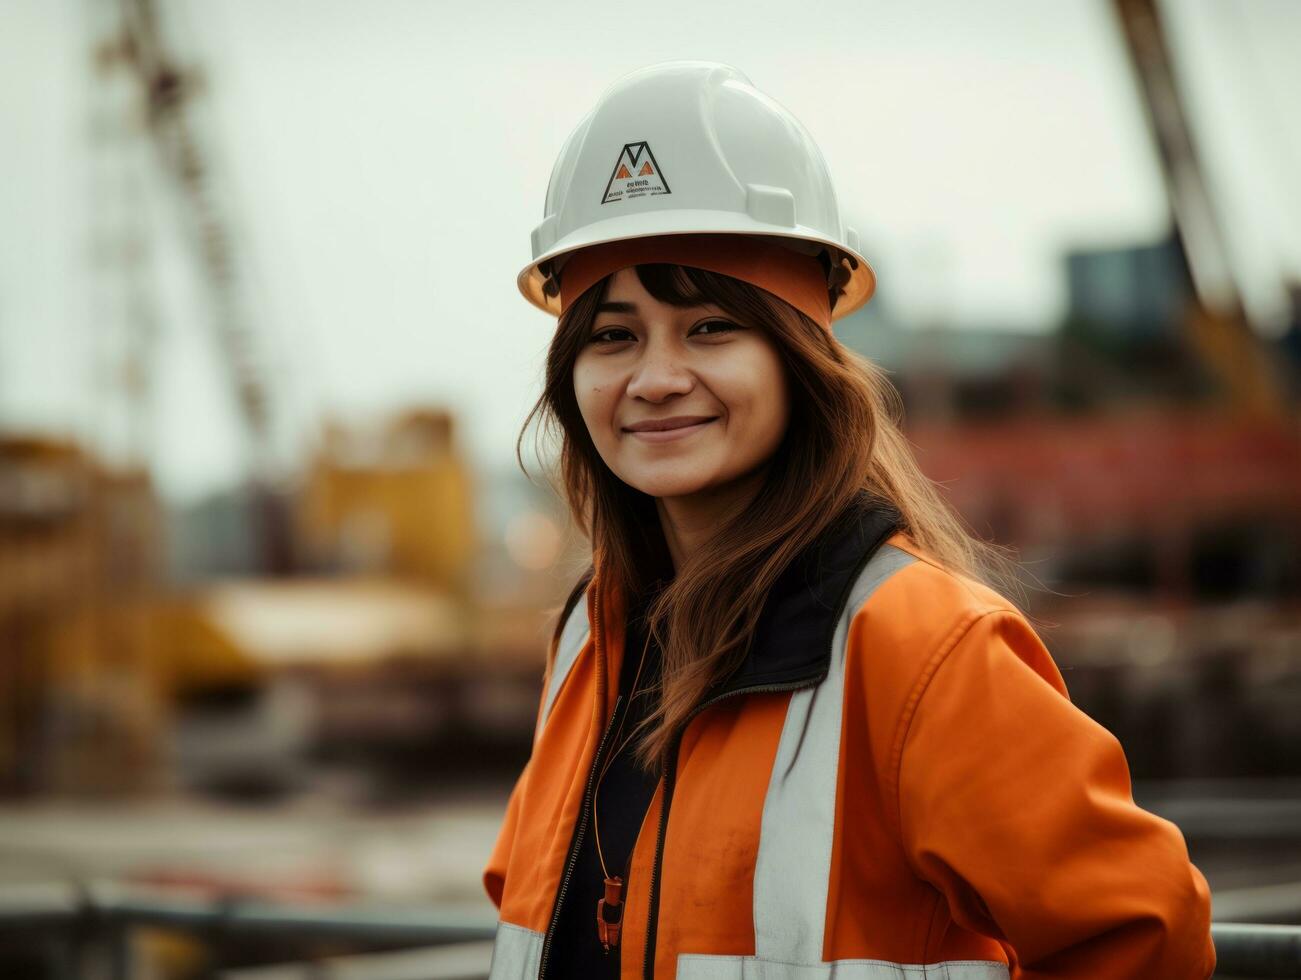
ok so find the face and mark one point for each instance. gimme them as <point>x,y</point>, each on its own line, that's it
<point>720,385</point>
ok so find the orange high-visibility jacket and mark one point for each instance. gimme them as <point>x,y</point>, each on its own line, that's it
<point>894,784</point>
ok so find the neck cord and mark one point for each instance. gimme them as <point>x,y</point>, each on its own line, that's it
<point>609,910</point>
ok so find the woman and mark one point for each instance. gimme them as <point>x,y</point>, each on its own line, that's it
<point>787,731</point>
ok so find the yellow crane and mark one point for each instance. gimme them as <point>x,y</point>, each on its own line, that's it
<point>1217,325</point>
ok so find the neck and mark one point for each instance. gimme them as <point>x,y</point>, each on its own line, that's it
<point>690,520</point>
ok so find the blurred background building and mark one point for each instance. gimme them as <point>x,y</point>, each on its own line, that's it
<point>274,594</point>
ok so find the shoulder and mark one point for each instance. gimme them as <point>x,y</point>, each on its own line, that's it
<point>568,638</point>
<point>571,624</point>
<point>908,612</point>
<point>575,609</point>
<point>926,635</point>
<point>915,585</point>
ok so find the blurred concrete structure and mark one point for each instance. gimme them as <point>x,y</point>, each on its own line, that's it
<point>1134,294</point>
<point>388,642</point>
<point>79,548</point>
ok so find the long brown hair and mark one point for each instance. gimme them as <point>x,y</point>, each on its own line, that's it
<point>843,440</point>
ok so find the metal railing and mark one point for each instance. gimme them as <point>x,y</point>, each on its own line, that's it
<point>94,924</point>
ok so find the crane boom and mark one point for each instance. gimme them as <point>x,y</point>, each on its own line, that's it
<point>1217,325</point>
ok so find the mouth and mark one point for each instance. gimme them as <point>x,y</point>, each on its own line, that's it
<point>672,430</point>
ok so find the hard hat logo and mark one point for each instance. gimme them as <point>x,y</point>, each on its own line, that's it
<point>636,174</point>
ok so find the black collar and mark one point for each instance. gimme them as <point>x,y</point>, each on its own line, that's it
<point>792,639</point>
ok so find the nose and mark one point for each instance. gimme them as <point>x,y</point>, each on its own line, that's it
<point>660,374</point>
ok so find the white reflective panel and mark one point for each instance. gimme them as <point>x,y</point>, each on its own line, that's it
<point>693,966</point>
<point>573,637</point>
<point>793,867</point>
<point>516,953</point>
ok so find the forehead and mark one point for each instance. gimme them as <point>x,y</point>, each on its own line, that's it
<point>624,284</point>
<point>626,290</point>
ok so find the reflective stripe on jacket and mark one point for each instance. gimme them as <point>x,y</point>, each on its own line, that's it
<point>894,784</point>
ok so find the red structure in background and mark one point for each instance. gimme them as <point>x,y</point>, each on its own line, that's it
<point>1040,483</point>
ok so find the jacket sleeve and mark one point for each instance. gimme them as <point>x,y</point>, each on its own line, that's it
<point>1017,807</point>
<point>494,874</point>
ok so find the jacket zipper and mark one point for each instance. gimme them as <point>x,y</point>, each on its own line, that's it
<point>578,840</point>
<point>670,778</point>
<point>587,793</point>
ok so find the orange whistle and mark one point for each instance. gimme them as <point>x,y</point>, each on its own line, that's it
<point>609,913</point>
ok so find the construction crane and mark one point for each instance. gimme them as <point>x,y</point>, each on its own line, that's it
<point>130,39</point>
<point>1217,325</point>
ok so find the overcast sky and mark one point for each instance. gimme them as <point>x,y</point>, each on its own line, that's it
<point>388,161</point>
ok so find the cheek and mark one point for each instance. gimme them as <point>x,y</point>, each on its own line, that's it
<point>759,397</point>
<point>773,415</point>
<point>594,393</point>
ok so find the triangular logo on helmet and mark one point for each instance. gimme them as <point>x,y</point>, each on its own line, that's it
<point>635,158</point>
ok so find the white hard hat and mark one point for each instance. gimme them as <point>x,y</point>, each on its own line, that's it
<point>689,147</point>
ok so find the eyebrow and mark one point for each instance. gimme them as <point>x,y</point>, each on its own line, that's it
<point>617,308</point>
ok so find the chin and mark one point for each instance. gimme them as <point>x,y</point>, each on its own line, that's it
<point>669,480</point>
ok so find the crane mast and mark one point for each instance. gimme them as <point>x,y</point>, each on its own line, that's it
<point>131,40</point>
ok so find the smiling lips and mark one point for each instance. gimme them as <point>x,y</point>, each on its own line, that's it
<point>666,430</point>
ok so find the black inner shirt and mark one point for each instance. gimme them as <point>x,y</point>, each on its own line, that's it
<point>624,797</point>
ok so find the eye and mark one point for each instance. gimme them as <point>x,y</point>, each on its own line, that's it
<point>603,336</point>
<point>718,327</point>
